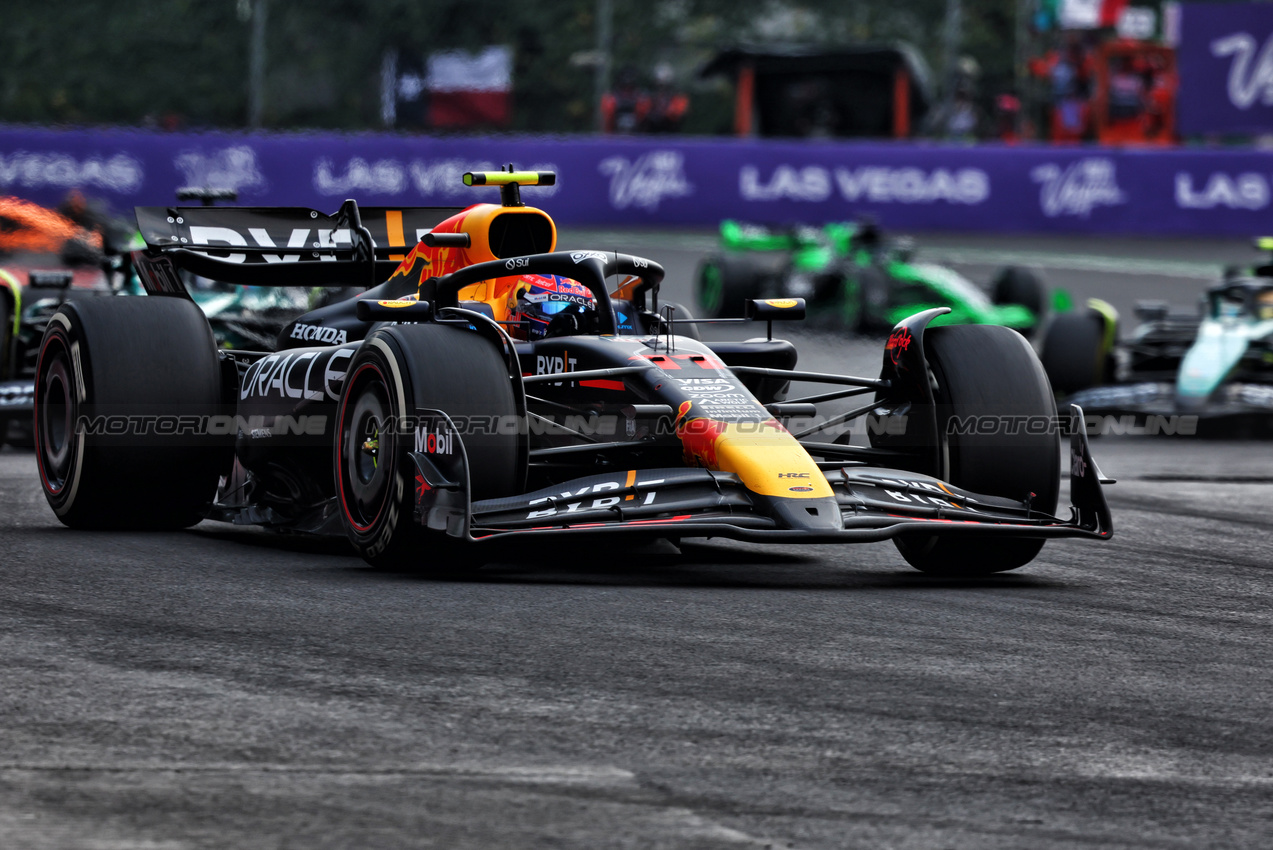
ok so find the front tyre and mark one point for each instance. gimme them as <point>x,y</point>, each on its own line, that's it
<point>984,373</point>
<point>397,371</point>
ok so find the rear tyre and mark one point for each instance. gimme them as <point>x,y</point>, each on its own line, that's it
<point>6,356</point>
<point>983,370</point>
<point>396,371</point>
<point>1075,351</point>
<point>724,283</point>
<point>1014,285</point>
<point>123,390</point>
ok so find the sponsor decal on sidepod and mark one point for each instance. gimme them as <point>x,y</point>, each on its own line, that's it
<point>318,333</point>
<point>280,375</point>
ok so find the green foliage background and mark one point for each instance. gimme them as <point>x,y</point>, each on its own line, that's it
<point>128,62</point>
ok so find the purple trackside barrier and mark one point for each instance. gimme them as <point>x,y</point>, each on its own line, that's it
<point>661,181</point>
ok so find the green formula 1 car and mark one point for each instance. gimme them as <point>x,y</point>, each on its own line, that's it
<point>852,276</point>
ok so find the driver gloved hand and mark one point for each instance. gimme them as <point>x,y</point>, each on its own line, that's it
<point>576,320</point>
<point>563,324</point>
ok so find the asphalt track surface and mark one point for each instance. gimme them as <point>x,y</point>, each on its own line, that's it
<point>229,688</point>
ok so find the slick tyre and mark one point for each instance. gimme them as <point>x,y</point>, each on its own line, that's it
<point>6,355</point>
<point>1015,285</point>
<point>867,300</point>
<point>724,283</point>
<point>398,370</point>
<point>123,391</point>
<point>988,371</point>
<point>1074,351</point>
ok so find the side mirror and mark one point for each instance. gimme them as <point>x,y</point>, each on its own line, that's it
<point>774,309</point>
<point>770,310</point>
<point>1151,311</point>
<point>50,278</point>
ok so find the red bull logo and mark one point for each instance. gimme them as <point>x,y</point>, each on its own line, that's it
<point>699,439</point>
<point>553,283</point>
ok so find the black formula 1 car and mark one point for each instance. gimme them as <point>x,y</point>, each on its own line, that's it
<point>413,422</point>
<point>1212,363</point>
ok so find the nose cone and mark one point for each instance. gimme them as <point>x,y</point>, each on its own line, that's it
<point>1191,403</point>
<point>1207,363</point>
<point>806,514</point>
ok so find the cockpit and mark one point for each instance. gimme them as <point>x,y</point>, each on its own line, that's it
<point>1243,299</point>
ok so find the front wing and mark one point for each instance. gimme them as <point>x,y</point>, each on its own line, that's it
<point>874,504</point>
<point>1158,400</point>
<point>17,398</point>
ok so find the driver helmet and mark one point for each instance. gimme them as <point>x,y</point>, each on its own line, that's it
<point>868,233</point>
<point>541,306</point>
<point>1264,305</point>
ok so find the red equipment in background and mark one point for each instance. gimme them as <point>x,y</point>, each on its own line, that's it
<point>1134,99</point>
<point>1116,92</point>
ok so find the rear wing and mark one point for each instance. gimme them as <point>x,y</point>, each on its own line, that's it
<point>741,236</point>
<point>279,246</point>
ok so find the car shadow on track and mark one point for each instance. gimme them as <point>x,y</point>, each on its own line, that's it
<point>659,564</point>
<point>257,538</point>
<point>705,565</point>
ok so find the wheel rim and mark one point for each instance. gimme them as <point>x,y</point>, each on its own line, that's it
<point>367,449</point>
<point>367,476</point>
<point>56,413</point>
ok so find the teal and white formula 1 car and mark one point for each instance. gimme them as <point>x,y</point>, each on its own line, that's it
<point>1214,364</point>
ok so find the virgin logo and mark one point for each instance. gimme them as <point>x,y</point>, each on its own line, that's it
<point>647,180</point>
<point>1249,78</point>
<point>1078,188</point>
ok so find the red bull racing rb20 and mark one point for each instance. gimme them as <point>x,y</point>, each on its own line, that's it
<point>486,387</point>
